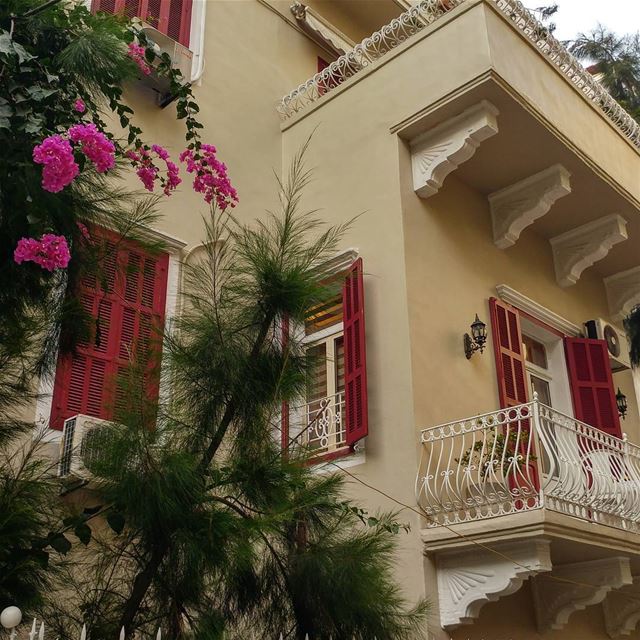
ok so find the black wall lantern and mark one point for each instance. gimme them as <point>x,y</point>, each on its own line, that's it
<point>621,401</point>
<point>477,340</point>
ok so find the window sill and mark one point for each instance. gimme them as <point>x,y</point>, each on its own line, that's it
<point>341,458</point>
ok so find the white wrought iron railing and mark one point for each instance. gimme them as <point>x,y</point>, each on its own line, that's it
<point>320,424</point>
<point>11,619</point>
<point>523,458</point>
<point>425,13</point>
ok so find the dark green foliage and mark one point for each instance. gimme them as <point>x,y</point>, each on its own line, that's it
<point>617,60</point>
<point>29,512</point>
<point>213,529</point>
<point>632,326</point>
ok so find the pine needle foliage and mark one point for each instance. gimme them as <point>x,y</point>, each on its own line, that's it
<point>617,63</point>
<point>215,531</point>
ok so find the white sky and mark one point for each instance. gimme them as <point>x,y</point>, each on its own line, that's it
<point>575,16</point>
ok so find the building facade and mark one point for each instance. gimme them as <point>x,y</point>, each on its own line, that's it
<point>496,180</point>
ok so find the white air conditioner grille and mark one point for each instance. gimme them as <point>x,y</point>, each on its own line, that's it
<point>67,447</point>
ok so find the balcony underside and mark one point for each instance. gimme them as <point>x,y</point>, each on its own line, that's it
<point>526,146</point>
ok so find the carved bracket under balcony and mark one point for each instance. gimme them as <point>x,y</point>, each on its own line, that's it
<point>516,207</point>
<point>438,152</point>
<point>467,580</point>
<point>580,248</point>
<point>573,587</point>
<point>622,610</point>
<point>623,292</point>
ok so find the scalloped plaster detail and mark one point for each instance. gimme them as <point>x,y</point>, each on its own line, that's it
<point>580,585</point>
<point>438,152</point>
<point>580,248</point>
<point>467,580</point>
<point>623,292</point>
<point>622,610</point>
<point>517,206</point>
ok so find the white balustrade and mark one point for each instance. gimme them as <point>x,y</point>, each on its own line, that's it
<point>320,424</point>
<point>523,458</point>
<point>425,13</point>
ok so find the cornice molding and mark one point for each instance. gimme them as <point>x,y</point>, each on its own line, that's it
<point>580,248</point>
<point>623,292</point>
<point>441,150</point>
<point>468,580</point>
<point>533,308</point>
<point>579,585</point>
<point>517,206</point>
<point>622,610</point>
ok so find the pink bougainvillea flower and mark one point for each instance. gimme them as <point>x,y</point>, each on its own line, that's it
<point>59,166</point>
<point>136,53</point>
<point>79,106</point>
<point>211,178</point>
<point>95,145</point>
<point>149,172</point>
<point>50,252</point>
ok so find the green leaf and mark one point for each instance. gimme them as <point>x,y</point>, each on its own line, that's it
<point>23,54</point>
<point>83,533</point>
<point>116,522</point>
<point>60,543</point>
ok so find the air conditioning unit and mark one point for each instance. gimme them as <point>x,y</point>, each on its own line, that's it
<point>181,57</point>
<point>616,340</point>
<point>81,438</point>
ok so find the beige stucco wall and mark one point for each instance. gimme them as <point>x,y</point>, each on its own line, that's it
<point>430,265</point>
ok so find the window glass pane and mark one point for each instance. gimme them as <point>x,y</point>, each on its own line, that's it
<point>324,315</point>
<point>339,355</point>
<point>535,352</point>
<point>541,387</point>
<point>317,382</point>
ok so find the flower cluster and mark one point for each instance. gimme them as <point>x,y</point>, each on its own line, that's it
<point>211,177</point>
<point>149,172</point>
<point>136,53</point>
<point>79,106</point>
<point>60,168</point>
<point>50,252</point>
<point>95,145</point>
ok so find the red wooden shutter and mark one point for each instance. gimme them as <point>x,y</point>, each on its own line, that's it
<point>355,376</point>
<point>594,398</point>
<point>172,17</point>
<point>507,343</point>
<point>128,304</point>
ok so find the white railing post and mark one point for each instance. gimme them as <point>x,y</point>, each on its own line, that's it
<point>536,431</point>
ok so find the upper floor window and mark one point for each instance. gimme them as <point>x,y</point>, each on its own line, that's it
<point>171,17</point>
<point>127,304</point>
<point>335,414</point>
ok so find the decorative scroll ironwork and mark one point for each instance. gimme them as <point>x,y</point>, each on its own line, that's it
<point>425,13</point>
<point>523,458</point>
<point>321,423</point>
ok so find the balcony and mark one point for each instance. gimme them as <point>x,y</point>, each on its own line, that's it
<point>530,494</point>
<point>525,458</point>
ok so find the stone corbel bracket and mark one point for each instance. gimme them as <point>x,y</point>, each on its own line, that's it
<point>438,152</point>
<point>580,248</point>
<point>516,207</point>
<point>623,292</point>
<point>573,587</point>
<point>467,580</point>
<point>622,610</point>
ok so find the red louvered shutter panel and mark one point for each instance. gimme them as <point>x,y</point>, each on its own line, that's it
<point>128,303</point>
<point>171,17</point>
<point>594,398</point>
<point>510,365</point>
<point>513,391</point>
<point>355,375</point>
